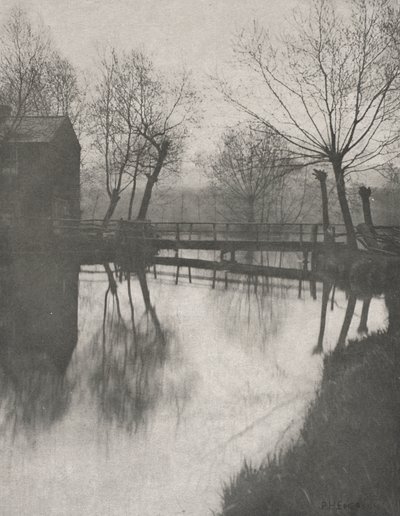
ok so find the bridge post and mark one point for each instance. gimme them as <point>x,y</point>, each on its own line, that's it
<point>333,297</point>
<point>326,288</point>
<point>300,288</point>
<point>320,175</point>
<point>190,238</point>
<point>305,260</point>
<point>314,239</point>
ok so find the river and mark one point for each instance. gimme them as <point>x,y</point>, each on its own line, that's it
<point>142,397</point>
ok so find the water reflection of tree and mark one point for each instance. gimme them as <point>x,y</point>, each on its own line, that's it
<point>255,303</point>
<point>130,356</point>
<point>34,394</point>
<point>348,317</point>
<point>326,289</point>
<point>38,333</point>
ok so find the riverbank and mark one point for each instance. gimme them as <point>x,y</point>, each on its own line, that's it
<point>346,460</point>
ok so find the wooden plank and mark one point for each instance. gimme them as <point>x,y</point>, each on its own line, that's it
<point>236,245</point>
<point>278,272</point>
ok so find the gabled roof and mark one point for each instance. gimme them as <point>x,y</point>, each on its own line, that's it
<point>38,129</point>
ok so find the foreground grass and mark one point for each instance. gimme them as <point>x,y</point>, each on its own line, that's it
<point>346,460</point>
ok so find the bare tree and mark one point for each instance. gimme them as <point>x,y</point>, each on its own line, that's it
<point>391,173</point>
<point>63,92</point>
<point>114,127</point>
<point>34,78</point>
<point>293,198</point>
<point>166,109</point>
<point>332,86</point>
<point>140,120</point>
<point>24,53</point>
<point>245,170</point>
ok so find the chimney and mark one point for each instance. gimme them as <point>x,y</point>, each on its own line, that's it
<point>5,111</point>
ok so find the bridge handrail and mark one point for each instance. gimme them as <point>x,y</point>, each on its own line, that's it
<point>148,230</point>
<point>182,230</point>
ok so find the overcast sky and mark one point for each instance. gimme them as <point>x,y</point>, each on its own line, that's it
<point>197,34</point>
<point>194,33</point>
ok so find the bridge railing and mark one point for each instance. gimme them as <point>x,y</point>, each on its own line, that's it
<point>186,230</point>
<point>246,231</point>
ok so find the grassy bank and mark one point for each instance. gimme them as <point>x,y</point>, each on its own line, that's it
<point>346,460</point>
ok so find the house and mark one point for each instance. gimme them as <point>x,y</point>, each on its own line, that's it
<point>39,168</point>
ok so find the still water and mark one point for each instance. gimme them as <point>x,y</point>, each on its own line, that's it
<point>141,397</point>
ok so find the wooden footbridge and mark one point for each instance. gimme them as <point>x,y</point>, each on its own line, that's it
<point>227,238</point>
<point>96,238</point>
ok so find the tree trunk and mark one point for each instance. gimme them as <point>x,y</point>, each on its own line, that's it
<point>111,207</point>
<point>133,192</point>
<point>146,198</point>
<point>251,218</point>
<point>344,206</point>
<point>152,179</point>
<point>365,194</point>
<point>321,176</point>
